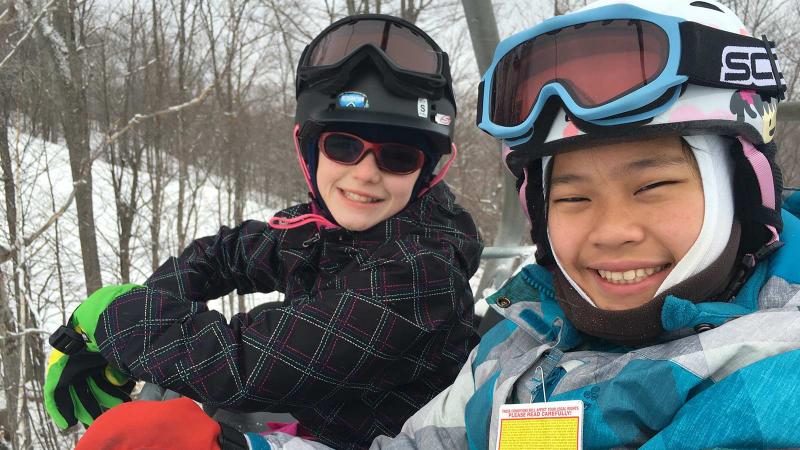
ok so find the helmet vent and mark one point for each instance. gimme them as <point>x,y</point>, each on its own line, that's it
<point>706,5</point>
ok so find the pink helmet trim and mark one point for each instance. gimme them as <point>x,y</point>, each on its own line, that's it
<point>766,183</point>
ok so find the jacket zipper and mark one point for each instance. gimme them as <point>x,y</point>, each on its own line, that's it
<point>310,241</point>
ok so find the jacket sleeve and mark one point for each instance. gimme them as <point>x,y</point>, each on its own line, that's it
<point>347,334</point>
<point>754,407</point>
<point>242,258</point>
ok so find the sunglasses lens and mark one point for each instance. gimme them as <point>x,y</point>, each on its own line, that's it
<point>632,54</point>
<point>402,45</point>
<point>342,148</point>
<point>400,159</point>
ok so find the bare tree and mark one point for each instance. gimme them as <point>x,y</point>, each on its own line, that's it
<point>125,155</point>
<point>9,347</point>
<point>62,37</point>
<point>232,86</point>
<point>156,158</point>
<point>182,150</point>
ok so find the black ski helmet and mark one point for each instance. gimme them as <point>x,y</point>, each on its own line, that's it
<point>368,91</point>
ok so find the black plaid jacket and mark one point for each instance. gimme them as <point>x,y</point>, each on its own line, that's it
<point>374,325</point>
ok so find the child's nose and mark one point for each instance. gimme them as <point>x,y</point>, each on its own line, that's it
<point>367,169</point>
<point>614,227</point>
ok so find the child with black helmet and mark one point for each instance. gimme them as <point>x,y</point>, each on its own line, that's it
<point>378,311</point>
<point>663,311</point>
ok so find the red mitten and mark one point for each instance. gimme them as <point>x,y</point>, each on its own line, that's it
<point>152,425</point>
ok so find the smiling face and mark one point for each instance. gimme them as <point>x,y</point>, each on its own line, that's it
<point>360,196</point>
<point>621,216</point>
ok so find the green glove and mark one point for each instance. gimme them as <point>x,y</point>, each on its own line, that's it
<point>79,383</point>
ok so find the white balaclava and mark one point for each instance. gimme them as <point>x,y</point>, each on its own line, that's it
<point>716,172</point>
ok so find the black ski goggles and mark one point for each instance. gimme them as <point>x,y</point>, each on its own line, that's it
<point>396,47</point>
<point>349,149</point>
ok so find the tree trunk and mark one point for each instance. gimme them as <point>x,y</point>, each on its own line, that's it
<point>10,363</point>
<point>239,199</point>
<point>483,31</point>
<point>156,163</point>
<point>121,156</point>
<point>62,45</point>
<point>8,346</point>
<point>155,167</point>
<point>182,154</point>
<point>57,250</point>
<point>8,175</point>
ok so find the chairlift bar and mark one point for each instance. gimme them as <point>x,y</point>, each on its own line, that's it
<point>507,252</point>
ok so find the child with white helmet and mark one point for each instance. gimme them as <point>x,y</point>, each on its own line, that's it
<point>663,311</point>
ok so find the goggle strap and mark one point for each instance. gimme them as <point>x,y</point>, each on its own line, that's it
<point>717,58</point>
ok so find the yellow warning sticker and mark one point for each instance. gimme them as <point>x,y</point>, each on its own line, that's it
<point>553,425</point>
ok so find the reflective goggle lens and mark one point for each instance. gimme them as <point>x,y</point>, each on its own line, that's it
<point>349,149</point>
<point>631,53</point>
<point>407,49</point>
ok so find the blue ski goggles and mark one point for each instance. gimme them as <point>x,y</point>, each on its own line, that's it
<point>614,65</point>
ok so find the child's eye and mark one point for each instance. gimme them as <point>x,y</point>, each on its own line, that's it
<point>652,186</point>
<point>571,200</point>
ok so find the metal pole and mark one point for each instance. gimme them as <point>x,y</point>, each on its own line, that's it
<point>485,37</point>
<point>507,252</point>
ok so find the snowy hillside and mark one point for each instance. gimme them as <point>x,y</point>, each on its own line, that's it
<point>44,183</point>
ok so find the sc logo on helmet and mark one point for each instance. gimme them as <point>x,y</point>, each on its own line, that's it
<point>747,66</point>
